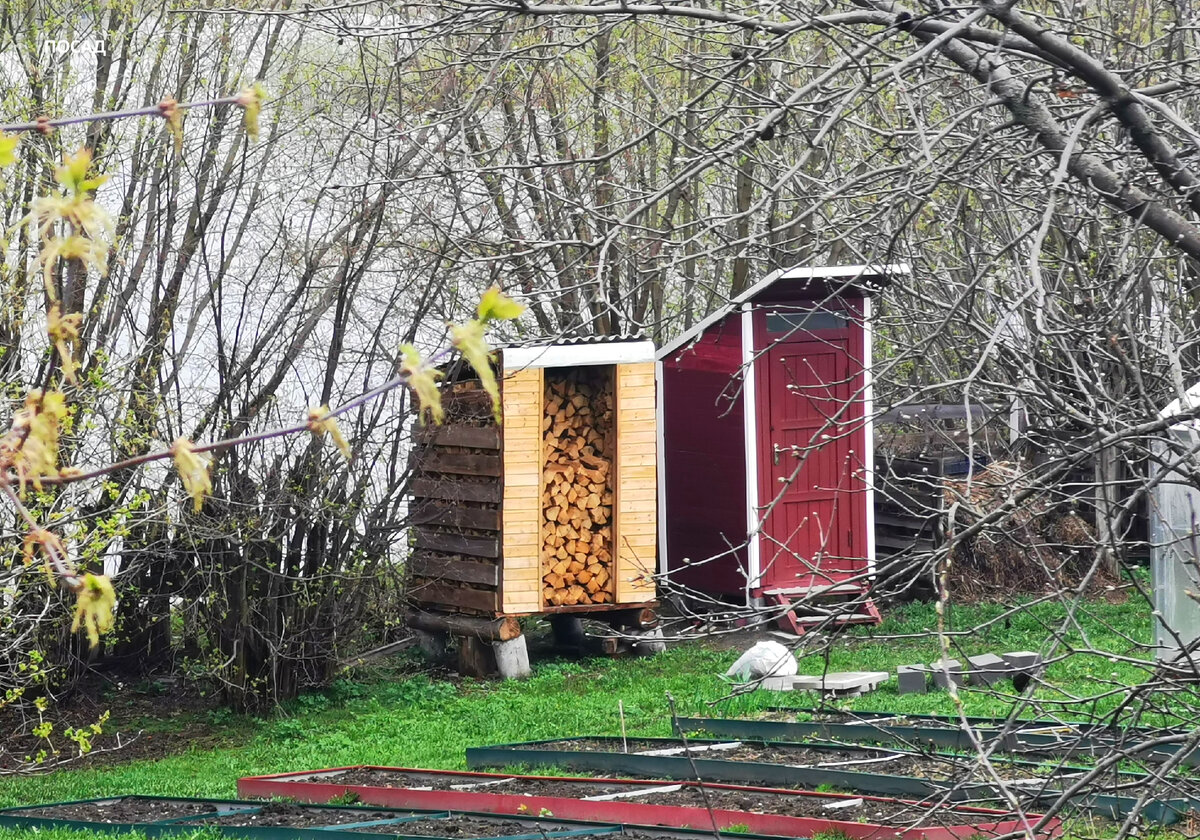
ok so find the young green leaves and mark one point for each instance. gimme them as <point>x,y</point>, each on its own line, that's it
<point>63,331</point>
<point>422,378</point>
<point>251,100</point>
<point>321,423</point>
<point>468,338</point>
<point>194,470</point>
<point>30,448</point>
<point>496,306</point>
<point>173,114</point>
<point>70,225</point>
<point>94,604</point>
<point>8,148</point>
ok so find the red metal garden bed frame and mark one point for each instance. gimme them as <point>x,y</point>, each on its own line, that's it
<point>318,786</point>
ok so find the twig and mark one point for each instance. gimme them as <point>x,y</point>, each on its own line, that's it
<point>621,712</point>
<point>687,751</point>
<point>44,124</point>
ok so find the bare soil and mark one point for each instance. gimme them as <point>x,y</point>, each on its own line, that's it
<point>868,760</point>
<point>530,787</point>
<point>889,812</point>
<point>290,815</point>
<point>885,812</point>
<point>465,827</point>
<point>123,810</point>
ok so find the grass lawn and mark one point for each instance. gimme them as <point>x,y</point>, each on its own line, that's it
<point>416,722</point>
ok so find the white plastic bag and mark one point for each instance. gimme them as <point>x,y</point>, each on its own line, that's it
<point>765,659</point>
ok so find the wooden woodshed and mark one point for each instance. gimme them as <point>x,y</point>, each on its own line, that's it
<point>552,511</point>
<point>766,463</point>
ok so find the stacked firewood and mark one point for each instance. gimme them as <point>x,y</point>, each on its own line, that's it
<point>577,497</point>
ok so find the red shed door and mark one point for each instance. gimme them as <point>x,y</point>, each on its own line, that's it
<point>807,463</point>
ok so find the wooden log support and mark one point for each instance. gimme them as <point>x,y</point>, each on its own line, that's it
<point>635,618</point>
<point>488,629</point>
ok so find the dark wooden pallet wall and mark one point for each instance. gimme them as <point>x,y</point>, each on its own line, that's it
<point>457,491</point>
<point>908,503</point>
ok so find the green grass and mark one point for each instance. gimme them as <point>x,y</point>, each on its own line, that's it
<point>418,722</point>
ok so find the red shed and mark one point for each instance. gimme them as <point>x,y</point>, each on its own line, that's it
<point>766,457</point>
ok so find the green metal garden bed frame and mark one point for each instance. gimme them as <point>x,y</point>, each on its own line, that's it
<point>1035,736</point>
<point>699,768</point>
<point>176,826</point>
<point>944,736</point>
<point>546,828</point>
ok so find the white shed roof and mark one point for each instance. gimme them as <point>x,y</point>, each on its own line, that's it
<point>800,275</point>
<point>1190,401</point>
<point>593,352</point>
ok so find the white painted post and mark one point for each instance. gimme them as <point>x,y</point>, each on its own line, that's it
<point>512,658</point>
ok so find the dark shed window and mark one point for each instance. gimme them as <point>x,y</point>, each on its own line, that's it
<point>782,322</point>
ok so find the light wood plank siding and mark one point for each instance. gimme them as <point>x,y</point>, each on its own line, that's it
<point>522,402</point>
<point>636,491</point>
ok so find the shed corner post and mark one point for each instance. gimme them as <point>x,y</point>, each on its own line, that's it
<point>869,433</point>
<point>750,415</point>
<point>663,567</point>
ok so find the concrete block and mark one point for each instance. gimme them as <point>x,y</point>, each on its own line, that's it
<point>942,679</point>
<point>778,684</point>
<point>912,679</point>
<point>1022,660</point>
<point>986,669</point>
<point>842,683</point>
